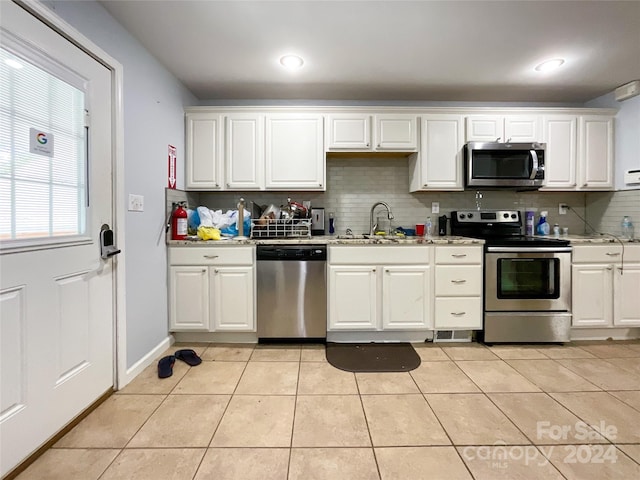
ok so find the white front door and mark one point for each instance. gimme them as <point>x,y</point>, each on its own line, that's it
<point>56,293</point>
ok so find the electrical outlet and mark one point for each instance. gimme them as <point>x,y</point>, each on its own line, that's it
<point>562,208</point>
<point>136,203</point>
<point>435,207</point>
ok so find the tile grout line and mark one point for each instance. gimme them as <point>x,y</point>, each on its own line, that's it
<point>293,421</point>
<point>366,422</point>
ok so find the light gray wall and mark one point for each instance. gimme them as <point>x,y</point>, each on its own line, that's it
<point>154,104</point>
<point>627,135</point>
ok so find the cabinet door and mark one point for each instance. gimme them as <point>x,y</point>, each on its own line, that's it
<point>353,298</point>
<point>349,132</point>
<point>595,153</point>
<point>560,135</point>
<point>626,306</point>
<point>406,298</point>
<point>440,157</point>
<point>592,295</point>
<point>295,152</point>
<point>188,298</point>
<point>203,160</point>
<point>232,299</point>
<point>522,128</point>
<point>244,151</point>
<point>396,132</point>
<point>485,128</point>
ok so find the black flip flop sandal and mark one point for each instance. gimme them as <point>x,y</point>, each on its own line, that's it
<point>165,366</point>
<point>189,357</point>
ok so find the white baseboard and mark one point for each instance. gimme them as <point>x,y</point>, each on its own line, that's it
<point>145,361</point>
<point>620,333</point>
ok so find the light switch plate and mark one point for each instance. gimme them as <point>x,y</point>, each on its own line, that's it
<point>136,203</point>
<point>435,207</point>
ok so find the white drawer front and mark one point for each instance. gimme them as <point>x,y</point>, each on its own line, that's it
<point>458,313</point>
<point>609,253</point>
<point>458,255</point>
<point>231,255</point>
<point>380,255</point>
<point>458,280</point>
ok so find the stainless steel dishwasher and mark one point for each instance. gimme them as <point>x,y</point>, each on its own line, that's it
<point>291,291</point>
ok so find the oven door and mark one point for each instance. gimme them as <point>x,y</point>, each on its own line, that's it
<point>534,279</point>
<point>504,164</point>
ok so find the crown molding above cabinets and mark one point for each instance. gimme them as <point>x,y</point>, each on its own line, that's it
<point>285,148</point>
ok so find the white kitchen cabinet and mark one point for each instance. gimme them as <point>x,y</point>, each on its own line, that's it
<point>352,297</point>
<point>244,151</point>
<point>295,152</point>
<point>211,289</point>
<point>188,298</point>
<point>458,287</point>
<point>438,165</point>
<point>396,132</point>
<point>203,159</point>
<point>394,293</point>
<point>349,132</point>
<point>560,134</point>
<point>604,292</point>
<point>595,152</point>
<point>504,128</point>
<point>232,299</point>
<point>405,297</point>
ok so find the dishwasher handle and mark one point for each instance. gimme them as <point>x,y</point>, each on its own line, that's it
<point>296,253</point>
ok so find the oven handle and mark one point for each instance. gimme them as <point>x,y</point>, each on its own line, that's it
<point>528,249</point>
<point>536,164</point>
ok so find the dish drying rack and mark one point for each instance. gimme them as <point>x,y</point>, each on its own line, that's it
<point>281,228</point>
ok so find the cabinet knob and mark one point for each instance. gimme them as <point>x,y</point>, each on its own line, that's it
<point>610,267</point>
<point>204,270</point>
<point>367,145</point>
<point>215,270</point>
<point>216,185</point>
<point>228,185</point>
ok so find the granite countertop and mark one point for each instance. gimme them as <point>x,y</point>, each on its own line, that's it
<point>334,240</point>
<point>594,238</point>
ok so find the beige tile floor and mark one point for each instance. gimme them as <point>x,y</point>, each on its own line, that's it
<point>266,412</point>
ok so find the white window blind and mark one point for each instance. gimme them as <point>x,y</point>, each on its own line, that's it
<point>43,193</point>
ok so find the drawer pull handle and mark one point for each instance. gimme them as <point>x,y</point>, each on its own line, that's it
<point>610,267</point>
<point>458,255</point>
<point>614,254</point>
<point>458,314</point>
<point>211,256</point>
<point>216,270</point>
<point>458,281</point>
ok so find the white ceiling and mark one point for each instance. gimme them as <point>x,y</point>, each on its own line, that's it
<point>391,50</point>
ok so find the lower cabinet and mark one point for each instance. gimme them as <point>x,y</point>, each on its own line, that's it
<point>605,291</point>
<point>217,295</point>
<point>393,294</point>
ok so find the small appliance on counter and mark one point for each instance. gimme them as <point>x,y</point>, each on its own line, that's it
<point>442,225</point>
<point>317,221</point>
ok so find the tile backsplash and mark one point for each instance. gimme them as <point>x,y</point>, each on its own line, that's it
<point>355,184</point>
<point>606,209</point>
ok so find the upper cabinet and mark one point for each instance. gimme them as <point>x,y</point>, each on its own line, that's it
<point>204,152</point>
<point>579,152</point>
<point>353,132</point>
<point>295,152</point>
<point>504,128</point>
<point>438,165</point>
<point>244,151</point>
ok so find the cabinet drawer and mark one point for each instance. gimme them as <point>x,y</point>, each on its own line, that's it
<point>609,253</point>
<point>231,255</point>
<point>380,255</point>
<point>458,255</point>
<point>458,280</point>
<point>458,313</point>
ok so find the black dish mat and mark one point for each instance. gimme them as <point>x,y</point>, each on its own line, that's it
<point>373,357</point>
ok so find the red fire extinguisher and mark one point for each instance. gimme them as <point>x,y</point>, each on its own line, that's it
<point>179,223</point>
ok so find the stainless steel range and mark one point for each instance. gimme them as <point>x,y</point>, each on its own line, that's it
<point>527,279</point>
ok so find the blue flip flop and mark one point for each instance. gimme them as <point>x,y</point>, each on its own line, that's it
<point>165,366</point>
<point>188,356</point>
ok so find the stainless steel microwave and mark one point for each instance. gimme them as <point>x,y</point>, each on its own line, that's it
<point>504,165</point>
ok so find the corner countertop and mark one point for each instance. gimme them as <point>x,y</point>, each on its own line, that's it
<point>331,240</point>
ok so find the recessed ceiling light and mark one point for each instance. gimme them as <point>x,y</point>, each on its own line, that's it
<point>13,63</point>
<point>549,65</point>
<point>291,62</point>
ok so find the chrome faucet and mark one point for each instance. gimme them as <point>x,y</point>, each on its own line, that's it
<point>373,226</point>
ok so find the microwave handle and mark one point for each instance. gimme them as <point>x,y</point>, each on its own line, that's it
<point>536,164</point>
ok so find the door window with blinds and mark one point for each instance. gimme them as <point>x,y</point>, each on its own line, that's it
<point>43,151</point>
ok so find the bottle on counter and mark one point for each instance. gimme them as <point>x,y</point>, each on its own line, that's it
<point>556,230</point>
<point>428,228</point>
<point>529,221</point>
<point>543,226</point>
<point>332,223</point>
<point>627,228</point>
